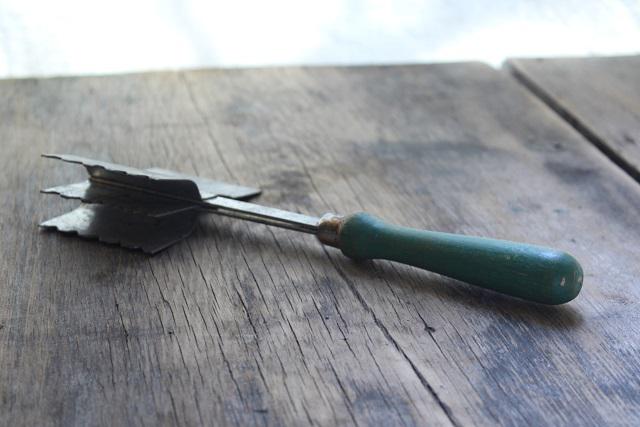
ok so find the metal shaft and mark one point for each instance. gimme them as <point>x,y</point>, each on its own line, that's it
<point>263,214</point>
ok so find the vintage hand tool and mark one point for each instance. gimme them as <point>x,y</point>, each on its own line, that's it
<point>155,208</point>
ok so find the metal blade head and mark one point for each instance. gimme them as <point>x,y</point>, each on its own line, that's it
<point>159,181</point>
<point>146,209</point>
<point>111,225</point>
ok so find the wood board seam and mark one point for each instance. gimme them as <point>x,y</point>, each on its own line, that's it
<point>573,120</point>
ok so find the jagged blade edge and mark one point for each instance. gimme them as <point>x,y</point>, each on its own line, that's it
<point>76,222</point>
<point>141,209</point>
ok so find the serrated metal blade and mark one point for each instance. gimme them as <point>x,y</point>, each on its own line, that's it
<point>123,198</point>
<point>158,181</point>
<point>111,225</point>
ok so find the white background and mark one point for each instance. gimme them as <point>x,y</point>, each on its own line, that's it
<point>86,37</point>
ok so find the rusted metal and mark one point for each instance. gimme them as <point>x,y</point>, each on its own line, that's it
<point>329,229</point>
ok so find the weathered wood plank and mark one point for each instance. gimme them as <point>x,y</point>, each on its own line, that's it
<point>246,324</point>
<point>599,96</point>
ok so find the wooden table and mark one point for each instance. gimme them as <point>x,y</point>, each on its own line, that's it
<point>242,324</point>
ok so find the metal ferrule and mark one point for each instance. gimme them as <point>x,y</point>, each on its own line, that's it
<point>329,229</point>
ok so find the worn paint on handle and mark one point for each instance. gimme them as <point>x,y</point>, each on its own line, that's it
<point>530,272</point>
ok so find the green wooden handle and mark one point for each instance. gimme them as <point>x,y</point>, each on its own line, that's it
<point>530,272</point>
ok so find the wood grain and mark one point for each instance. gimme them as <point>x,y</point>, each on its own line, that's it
<point>245,324</point>
<point>600,97</point>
